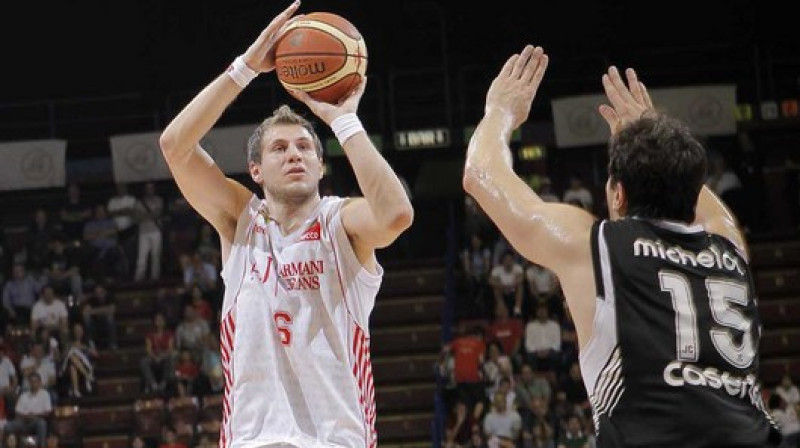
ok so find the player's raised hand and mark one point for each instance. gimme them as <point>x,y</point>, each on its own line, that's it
<point>328,112</point>
<point>260,55</point>
<point>514,88</point>
<point>627,102</point>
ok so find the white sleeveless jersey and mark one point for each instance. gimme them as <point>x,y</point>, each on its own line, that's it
<point>294,336</point>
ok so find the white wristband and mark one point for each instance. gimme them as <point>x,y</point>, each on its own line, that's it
<point>240,73</point>
<point>346,126</point>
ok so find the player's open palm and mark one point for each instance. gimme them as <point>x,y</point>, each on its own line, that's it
<point>628,102</point>
<point>513,90</point>
<point>260,56</point>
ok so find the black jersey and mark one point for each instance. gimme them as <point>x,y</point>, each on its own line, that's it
<point>673,361</point>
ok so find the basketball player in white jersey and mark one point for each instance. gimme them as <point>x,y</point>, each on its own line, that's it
<point>300,270</point>
<point>661,293</point>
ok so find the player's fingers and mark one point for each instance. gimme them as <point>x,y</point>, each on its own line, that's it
<point>612,93</point>
<point>609,114</point>
<point>646,95</point>
<point>518,70</point>
<point>619,85</point>
<point>634,85</point>
<point>509,65</point>
<point>279,21</point>
<point>537,67</point>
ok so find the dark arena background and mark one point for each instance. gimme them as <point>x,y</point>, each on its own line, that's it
<point>89,85</point>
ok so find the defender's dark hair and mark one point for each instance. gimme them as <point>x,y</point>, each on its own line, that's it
<point>282,115</point>
<point>661,165</point>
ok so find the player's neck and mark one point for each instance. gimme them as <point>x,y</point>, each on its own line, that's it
<point>290,215</point>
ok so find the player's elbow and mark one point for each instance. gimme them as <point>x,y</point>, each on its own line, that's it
<point>401,219</point>
<point>471,181</point>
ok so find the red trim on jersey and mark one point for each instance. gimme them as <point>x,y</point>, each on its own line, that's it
<point>362,368</point>
<point>227,330</point>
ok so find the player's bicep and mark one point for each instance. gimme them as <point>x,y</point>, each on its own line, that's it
<point>218,199</point>
<point>543,232</point>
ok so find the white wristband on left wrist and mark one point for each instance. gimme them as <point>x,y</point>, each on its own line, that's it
<point>240,73</point>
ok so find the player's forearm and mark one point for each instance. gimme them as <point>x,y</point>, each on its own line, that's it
<point>378,182</point>
<point>184,132</point>
<point>489,156</point>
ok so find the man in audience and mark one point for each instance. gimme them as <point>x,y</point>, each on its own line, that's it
<point>33,409</point>
<point>99,311</point>
<point>50,312</point>
<point>19,294</point>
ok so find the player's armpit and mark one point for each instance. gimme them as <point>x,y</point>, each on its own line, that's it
<point>365,232</point>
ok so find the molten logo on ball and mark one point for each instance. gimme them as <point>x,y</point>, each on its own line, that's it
<point>302,70</point>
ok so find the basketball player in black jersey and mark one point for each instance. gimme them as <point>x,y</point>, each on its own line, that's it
<point>661,294</point>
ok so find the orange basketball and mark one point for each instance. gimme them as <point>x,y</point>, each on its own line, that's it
<point>323,54</point>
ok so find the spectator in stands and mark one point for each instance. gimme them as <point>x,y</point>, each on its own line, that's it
<point>507,331</point>
<point>785,415</point>
<point>122,209</point>
<point>9,383</point>
<point>77,365</point>
<point>569,343</point>
<point>543,341</point>
<point>199,272</point>
<point>207,245</point>
<point>138,441</point>
<point>530,386</point>
<point>544,289</point>
<point>458,426</point>
<point>19,294</point>
<point>476,222</point>
<point>540,435</point>
<point>50,343</point>
<point>468,352</point>
<point>104,252</point>
<point>99,316</point>
<point>43,366</point>
<point>74,214</point>
<point>545,190</point>
<point>50,312</point>
<point>159,357</point>
<point>577,191</point>
<point>788,391</point>
<point>201,305</point>
<point>40,235</point>
<point>62,269</point>
<point>52,441</point>
<point>476,261</point>
<point>506,280</point>
<point>190,334</point>
<point>150,215</point>
<point>724,181</point>
<point>573,435</point>
<point>492,366</point>
<point>184,224</point>
<point>186,372</point>
<point>211,365</point>
<point>11,439</point>
<point>170,439</point>
<point>572,385</point>
<point>502,426</point>
<point>33,411</point>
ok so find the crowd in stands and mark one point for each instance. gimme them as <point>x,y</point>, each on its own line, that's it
<point>59,309</point>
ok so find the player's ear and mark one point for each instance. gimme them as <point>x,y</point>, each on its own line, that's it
<point>255,172</point>
<point>619,199</point>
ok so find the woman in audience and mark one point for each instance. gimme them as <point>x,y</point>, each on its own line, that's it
<point>78,362</point>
